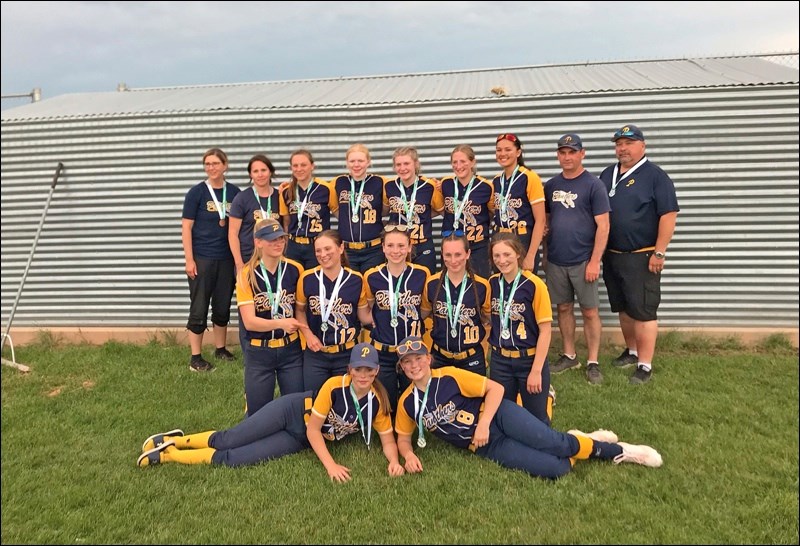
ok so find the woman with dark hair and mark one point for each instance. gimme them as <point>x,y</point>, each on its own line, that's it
<point>518,199</point>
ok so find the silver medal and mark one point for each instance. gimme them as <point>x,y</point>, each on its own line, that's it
<point>454,332</point>
<point>394,322</point>
<point>612,193</point>
<point>505,334</point>
<point>354,218</point>
<point>277,317</point>
<point>421,442</point>
<point>503,217</point>
<point>324,327</point>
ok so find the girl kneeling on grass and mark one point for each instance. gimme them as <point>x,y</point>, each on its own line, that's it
<point>345,405</point>
<point>469,411</point>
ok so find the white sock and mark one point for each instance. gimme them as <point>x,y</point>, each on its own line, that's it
<point>633,352</point>
<point>592,362</point>
<point>571,357</point>
<point>646,366</point>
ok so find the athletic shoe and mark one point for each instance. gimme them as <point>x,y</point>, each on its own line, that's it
<point>552,394</point>
<point>564,363</point>
<point>157,439</point>
<point>152,457</point>
<point>600,435</point>
<point>640,376</point>
<point>625,360</point>
<point>593,375</point>
<point>224,354</point>
<point>644,455</point>
<point>201,365</point>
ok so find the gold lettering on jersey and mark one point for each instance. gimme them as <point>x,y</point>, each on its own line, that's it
<point>311,210</point>
<point>566,198</point>
<point>211,207</point>
<point>339,313</point>
<point>396,206</point>
<point>466,318</point>
<point>517,309</point>
<point>467,215</point>
<point>366,200</point>
<point>443,414</point>
<point>337,427</point>
<point>287,300</point>
<point>408,303</point>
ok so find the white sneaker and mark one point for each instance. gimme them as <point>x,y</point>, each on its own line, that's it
<point>600,435</point>
<point>644,455</point>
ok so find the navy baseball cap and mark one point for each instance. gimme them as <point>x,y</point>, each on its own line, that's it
<point>270,232</point>
<point>628,131</point>
<point>411,345</point>
<point>364,355</point>
<point>570,140</point>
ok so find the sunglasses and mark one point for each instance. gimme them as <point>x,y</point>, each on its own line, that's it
<point>453,233</point>
<point>507,136</point>
<point>624,133</point>
<point>395,227</point>
<point>409,346</point>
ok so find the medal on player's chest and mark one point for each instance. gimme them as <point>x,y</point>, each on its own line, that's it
<point>453,332</point>
<point>324,327</point>
<point>505,333</point>
<point>222,223</point>
<point>394,322</point>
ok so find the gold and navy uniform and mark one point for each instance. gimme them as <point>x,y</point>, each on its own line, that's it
<point>343,323</point>
<point>526,191</point>
<point>470,329</point>
<point>409,302</point>
<point>477,213</point>
<point>529,308</point>
<point>286,300</point>
<point>427,201</point>
<point>320,202</point>
<point>370,224</point>
<point>336,405</point>
<point>451,412</point>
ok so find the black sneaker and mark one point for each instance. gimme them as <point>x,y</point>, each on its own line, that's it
<point>593,375</point>
<point>201,365</point>
<point>625,360</point>
<point>640,376</point>
<point>564,363</point>
<point>223,354</point>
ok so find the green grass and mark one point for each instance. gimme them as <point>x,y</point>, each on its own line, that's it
<point>724,417</point>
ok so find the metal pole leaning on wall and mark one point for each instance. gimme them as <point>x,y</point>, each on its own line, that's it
<point>59,168</point>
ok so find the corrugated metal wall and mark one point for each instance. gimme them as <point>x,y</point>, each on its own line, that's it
<point>110,252</point>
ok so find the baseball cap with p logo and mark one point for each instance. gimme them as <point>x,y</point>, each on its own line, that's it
<point>570,140</point>
<point>364,355</point>
<point>631,132</point>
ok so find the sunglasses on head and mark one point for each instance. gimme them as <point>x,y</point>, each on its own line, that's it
<point>453,233</point>
<point>395,227</point>
<point>624,133</point>
<point>409,346</point>
<point>507,136</point>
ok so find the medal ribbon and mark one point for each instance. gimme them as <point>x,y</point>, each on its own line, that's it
<point>507,191</point>
<point>420,410</point>
<point>355,207</point>
<point>453,314</point>
<point>368,434</point>
<point>505,307</point>
<point>301,206</point>
<point>273,297</point>
<point>220,209</point>
<point>458,206</point>
<point>629,172</point>
<point>264,213</point>
<point>326,306</point>
<point>408,205</point>
<point>394,291</point>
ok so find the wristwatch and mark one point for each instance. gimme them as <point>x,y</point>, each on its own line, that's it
<point>659,255</point>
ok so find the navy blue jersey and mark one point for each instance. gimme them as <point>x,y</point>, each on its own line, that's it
<point>369,224</point>
<point>524,190</point>
<point>209,238</point>
<point>639,201</point>
<point>343,324</point>
<point>397,196</point>
<point>475,213</point>
<point>247,206</point>
<point>529,308</point>
<point>469,328</point>
<point>572,205</point>
<point>409,302</point>
<point>335,403</point>
<point>317,201</point>
<point>290,272</point>
<point>451,412</point>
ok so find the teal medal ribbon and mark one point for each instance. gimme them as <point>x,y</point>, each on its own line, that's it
<point>264,213</point>
<point>274,297</point>
<point>454,313</point>
<point>220,208</point>
<point>408,205</point>
<point>505,193</point>
<point>421,411</point>
<point>355,204</point>
<point>458,206</point>
<point>394,296</point>
<point>368,434</point>
<point>505,306</point>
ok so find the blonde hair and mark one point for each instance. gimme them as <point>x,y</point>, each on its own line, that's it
<point>410,152</point>
<point>358,147</point>
<point>511,240</point>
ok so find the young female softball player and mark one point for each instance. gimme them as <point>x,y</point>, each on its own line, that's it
<point>458,301</point>
<point>518,199</point>
<point>330,300</point>
<point>394,300</point>
<point>521,319</point>
<point>360,198</point>
<point>265,295</point>
<point>354,403</point>
<point>414,200</point>
<point>469,411</point>
<point>468,207</point>
<point>306,206</point>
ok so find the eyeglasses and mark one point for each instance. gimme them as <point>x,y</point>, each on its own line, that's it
<point>412,345</point>
<point>214,164</point>
<point>453,233</point>
<point>388,228</point>
<point>507,136</point>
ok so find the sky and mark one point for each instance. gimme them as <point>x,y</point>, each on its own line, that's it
<point>73,47</point>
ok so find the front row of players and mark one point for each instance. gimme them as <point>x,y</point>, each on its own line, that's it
<point>464,409</point>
